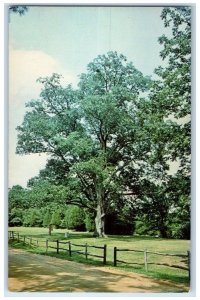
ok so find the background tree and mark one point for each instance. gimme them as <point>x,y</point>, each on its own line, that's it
<point>56,218</point>
<point>175,98</point>
<point>48,196</point>
<point>74,218</point>
<point>33,217</point>
<point>165,119</point>
<point>89,222</point>
<point>17,196</point>
<point>17,204</point>
<point>47,220</point>
<point>174,89</point>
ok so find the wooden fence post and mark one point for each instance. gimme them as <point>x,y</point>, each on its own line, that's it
<point>70,249</point>
<point>145,260</point>
<point>18,237</point>
<point>46,246</point>
<point>57,246</point>
<point>37,243</point>
<point>188,254</point>
<point>104,254</point>
<point>86,251</point>
<point>30,240</point>
<point>13,235</point>
<point>115,256</point>
<point>24,239</point>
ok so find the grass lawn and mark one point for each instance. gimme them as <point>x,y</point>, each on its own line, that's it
<point>165,267</point>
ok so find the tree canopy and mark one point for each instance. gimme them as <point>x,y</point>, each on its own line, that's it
<point>112,140</point>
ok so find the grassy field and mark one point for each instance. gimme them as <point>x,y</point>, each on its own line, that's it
<point>165,267</point>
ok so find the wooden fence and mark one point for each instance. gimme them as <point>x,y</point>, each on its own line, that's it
<point>66,246</point>
<point>83,249</point>
<point>148,262</point>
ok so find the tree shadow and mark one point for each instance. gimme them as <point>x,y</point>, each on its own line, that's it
<point>132,238</point>
<point>31,272</point>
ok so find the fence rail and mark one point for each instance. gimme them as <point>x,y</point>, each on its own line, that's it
<point>147,262</point>
<point>83,250</point>
<point>56,245</point>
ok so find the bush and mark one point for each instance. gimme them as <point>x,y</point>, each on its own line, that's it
<point>142,227</point>
<point>180,230</point>
<point>179,219</point>
<point>15,217</point>
<point>16,222</point>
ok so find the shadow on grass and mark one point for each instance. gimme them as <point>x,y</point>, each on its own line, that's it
<point>132,238</point>
<point>159,274</point>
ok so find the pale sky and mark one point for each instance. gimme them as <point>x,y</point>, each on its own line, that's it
<point>64,40</point>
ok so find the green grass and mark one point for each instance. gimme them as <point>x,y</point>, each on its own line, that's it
<point>158,266</point>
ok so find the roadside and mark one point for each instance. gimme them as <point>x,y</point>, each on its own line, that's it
<point>38,273</point>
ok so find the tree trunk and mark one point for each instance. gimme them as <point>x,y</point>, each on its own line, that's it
<point>163,232</point>
<point>163,228</point>
<point>100,221</point>
<point>100,210</point>
<point>50,229</point>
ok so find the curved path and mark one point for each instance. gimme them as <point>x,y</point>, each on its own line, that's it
<point>38,273</point>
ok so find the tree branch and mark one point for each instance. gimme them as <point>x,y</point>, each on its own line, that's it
<point>79,203</point>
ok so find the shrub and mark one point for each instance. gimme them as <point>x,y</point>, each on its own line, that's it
<point>15,217</point>
<point>16,222</point>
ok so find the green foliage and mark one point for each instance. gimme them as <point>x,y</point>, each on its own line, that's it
<point>165,118</point>
<point>110,150</point>
<point>33,217</point>
<point>142,227</point>
<point>74,218</point>
<point>112,73</point>
<point>86,131</point>
<point>17,198</point>
<point>89,222</point>
<point>56,218</point>
<point>174,90</point>
<point>16,222</point>
<point>180,219</point>
<point>45,194</point>
<point>15,217</point>
<point>47,219</point>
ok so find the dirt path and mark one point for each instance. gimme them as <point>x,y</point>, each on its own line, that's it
<point>33,272</point>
